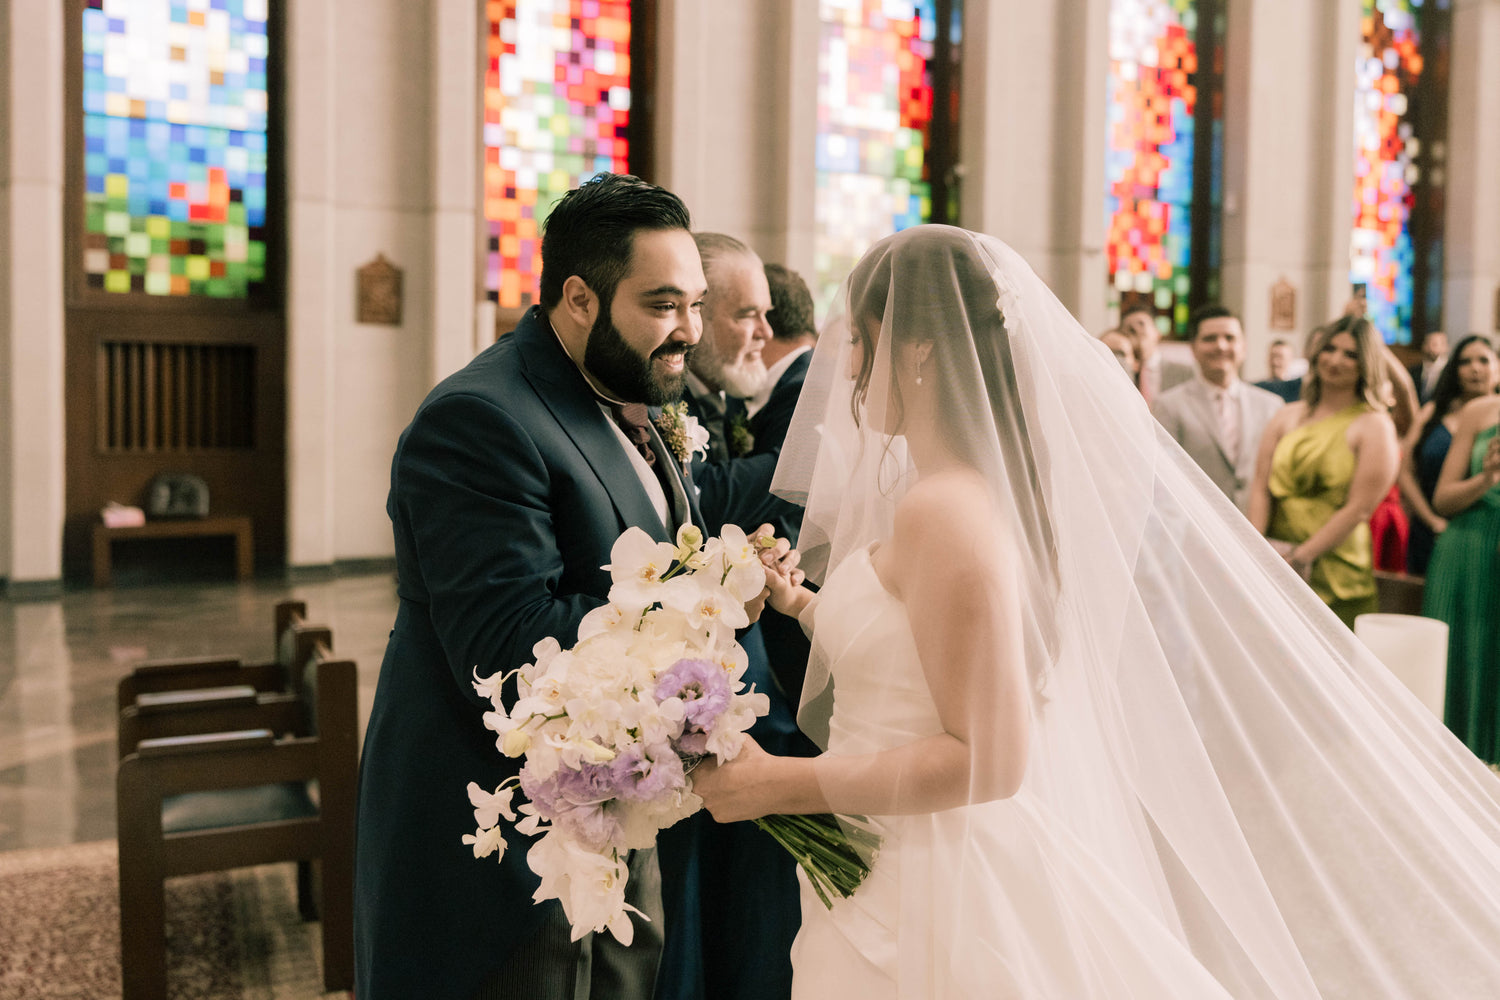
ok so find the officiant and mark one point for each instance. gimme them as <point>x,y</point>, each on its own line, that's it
<point>743,897</point>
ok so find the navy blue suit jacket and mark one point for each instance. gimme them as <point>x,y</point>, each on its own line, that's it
<point>508,490</point>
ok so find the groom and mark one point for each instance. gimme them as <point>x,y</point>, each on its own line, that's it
<point>508,490</point>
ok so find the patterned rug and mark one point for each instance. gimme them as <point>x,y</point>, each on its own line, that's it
<point>232,935</point>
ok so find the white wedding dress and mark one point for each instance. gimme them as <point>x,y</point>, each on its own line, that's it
<point>1225,794</point>
<point>945,912</point>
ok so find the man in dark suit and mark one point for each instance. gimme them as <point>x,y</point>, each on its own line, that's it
<point>742,898</point>
<point>786,357</point>
<point>1434,356</point>
<point>508,490</point>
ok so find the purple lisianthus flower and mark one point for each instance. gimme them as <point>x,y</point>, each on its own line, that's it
<point>594,826</point>
<point>703,688</point>
<point>585,785</point>
<point>646,773</point>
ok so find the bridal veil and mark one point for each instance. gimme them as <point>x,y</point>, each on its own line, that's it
<point>1214,759</point>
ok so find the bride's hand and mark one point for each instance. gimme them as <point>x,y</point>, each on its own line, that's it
<point>728,790</point>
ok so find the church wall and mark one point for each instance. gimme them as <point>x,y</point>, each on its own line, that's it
<point>360,183</point>
<point>31,318</point>
<point>382,139</point>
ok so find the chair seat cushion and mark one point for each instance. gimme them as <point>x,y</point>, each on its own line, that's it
<point>236,807</point>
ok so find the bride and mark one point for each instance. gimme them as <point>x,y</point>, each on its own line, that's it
<point>1113,746</point>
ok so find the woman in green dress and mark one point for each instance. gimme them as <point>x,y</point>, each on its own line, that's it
<point>1463,579</point>
<point>1324,464</point>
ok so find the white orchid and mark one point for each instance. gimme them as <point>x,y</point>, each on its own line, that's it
<point>704,603</point>
<point>490,806</point>
<point>636,566</point>
<point>606,618</point>
<point>696,434</point>
<point>486,840</point>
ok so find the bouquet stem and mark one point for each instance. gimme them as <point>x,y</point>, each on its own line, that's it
<point>835,853</point>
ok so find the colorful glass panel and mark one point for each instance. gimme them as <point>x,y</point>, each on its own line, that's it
<point>875,103</point>
<point>1152,119</point>
<point>175,107</point>
<point>556,110</point>
<point>1387,171</point>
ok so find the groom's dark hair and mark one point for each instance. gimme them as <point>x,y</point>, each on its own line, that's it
<point>591,232</point>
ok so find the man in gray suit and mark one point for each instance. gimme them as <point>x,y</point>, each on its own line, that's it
<point>1216,417</point>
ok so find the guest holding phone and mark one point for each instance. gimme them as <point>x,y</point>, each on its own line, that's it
<point>1463,579</point>
<point>1473,373</point>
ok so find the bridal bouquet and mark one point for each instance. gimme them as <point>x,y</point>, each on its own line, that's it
<point>610,728</point>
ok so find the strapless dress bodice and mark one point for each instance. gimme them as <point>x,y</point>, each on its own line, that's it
<point>881,697</point>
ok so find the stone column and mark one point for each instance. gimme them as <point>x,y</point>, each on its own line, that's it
<point>32,471</point>
<point>1471,282</point>
<point>1288,163</point>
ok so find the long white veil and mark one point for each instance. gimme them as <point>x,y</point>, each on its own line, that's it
<point>1212,754</point>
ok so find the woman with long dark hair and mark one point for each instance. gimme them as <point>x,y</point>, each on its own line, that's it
<point>1473,370</point>
<point>1463,579</point>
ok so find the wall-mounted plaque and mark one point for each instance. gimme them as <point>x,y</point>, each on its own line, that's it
<point>1283,306</point>
<point>378,286</point>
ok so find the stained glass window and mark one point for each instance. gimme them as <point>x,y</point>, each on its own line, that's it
<point>175,110</point>
<point>885,93</point>
<point>1162,153</point>
<point>1399,132</point>
<point>557,107</point>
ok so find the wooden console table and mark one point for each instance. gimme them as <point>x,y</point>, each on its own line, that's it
<point>232,525</point>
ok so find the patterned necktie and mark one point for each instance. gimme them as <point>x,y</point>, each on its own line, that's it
<point>632,419</point>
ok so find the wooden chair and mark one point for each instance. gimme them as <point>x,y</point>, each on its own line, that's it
<point>152,676</point>
<point>269,778</point>
<point>1398,594</point>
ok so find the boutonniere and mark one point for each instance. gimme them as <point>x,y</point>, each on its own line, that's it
<point>741,441</point>
<point>681,432</point>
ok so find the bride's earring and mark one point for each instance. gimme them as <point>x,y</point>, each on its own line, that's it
<point>919,371</point>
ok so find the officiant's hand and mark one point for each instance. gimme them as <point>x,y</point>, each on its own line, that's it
<point>783,578</point>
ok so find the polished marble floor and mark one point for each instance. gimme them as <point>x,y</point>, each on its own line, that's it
<point>60,661</point>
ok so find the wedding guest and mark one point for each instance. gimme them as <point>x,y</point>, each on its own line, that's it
<point>1123,348</point>
<point>1323,465</point>
<point>1474,372</point>
<point>1426,372</point>
<point>1217,418</point>
<point>1390,527</point>
<point>1279,360</point>
<point>509,488</point>
<point>1463,579</point>
<point>786,355</point>
<point>737,906</point>
<point>1156,374</point>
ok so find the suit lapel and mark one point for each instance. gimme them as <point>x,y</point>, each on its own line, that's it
<point>682,512</point>
<point>572,403</point>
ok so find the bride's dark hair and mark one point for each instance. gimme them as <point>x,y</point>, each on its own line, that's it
<point>948,298</point>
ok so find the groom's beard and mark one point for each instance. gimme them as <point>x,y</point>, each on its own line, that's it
<point>626,373</point>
